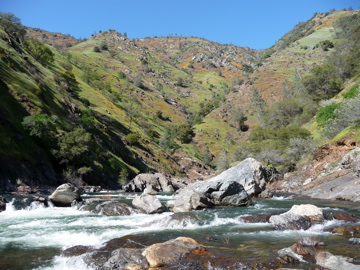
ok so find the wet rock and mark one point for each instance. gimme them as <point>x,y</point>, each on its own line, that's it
<point>2,204</point>
<point>41,200</point>
<point>354,241</point>
<point>266,194</point>
<point>309,242</point>
<point>259,218</point>
<point>287,255</point>
<point>64,195</point>
<point>76,251</point>
<point>158,181</point>
<point>150,190</point>
<point>346,217</point>
<point>352,231</point>
<point>168,253</point>
<point>126,258</point>
<point>299,217</point>
<point>149,204</point>
<point>23,189</point>
<point>332,262</point>
<point>187,200</point>
<point>113,208</point>
<point>91,189</point>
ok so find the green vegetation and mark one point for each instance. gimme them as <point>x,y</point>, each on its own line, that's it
<point>104,109</point>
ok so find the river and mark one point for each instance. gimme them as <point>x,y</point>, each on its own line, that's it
<point>32,236</point>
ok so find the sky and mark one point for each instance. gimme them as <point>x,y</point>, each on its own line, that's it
<point>257,24</point>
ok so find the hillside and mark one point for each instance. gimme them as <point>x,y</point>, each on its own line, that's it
<point>101,110</point>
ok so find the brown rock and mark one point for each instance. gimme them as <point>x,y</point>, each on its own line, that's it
<point>346,217</point>
<point>170,252</point>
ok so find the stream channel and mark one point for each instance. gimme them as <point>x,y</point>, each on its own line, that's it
<point>33,237</point>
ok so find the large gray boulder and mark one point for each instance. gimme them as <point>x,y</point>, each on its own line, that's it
<point>64,195</point>
<point>299,217</point>
<point>207,194</point>
<point>187,199</point>
<point>158,181</point>
<point>249,173</point>
<point>148,204</point>
<point>223,192</point>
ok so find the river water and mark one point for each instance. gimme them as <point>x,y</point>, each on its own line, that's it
<point>32,237</point>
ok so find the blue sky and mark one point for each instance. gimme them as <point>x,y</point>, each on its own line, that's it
<point>257,24</point>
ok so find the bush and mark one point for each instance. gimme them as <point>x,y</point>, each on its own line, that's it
<point>326,45</point>
<point>326,113</point>
<point>132,138</point>
<point>96,49</point>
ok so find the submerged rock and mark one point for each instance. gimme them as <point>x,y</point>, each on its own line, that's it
<point>354,241</point>
<point>149,204</point>
<point>332,262</point>
<point>65,194</point>
<point>346,217</point>
<point>299,217</point>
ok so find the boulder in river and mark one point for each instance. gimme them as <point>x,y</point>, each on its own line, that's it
<point>187,199</point>
<point>329,261</point>
<point>249,173</point>
<point>223,192</point>
<point>149,204</point>
<point>2,204</point>
<point>113,208</point>
<point>158,181</point>
<point>64,195</point>
<point>169,252</point>
<point>299,217</point>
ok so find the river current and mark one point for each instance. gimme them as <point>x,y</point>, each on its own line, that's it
<point>33,237</point>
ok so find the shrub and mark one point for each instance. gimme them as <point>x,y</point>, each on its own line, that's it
<point>326,113</point>
<point>96,49</point>
<point>132,138</point>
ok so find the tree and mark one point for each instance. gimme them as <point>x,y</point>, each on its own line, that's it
<point>41,52</point>
<point>239,119</point>
<point>326,45</point>
<point>12,25</point>
<point>40,125</point>
<point>283,113</point>
<point>207,157</point>
<point>222,161</point>
<point>323,83</point>
<point>258,102</point>
<point>185,133</point>
<point>73,144</point>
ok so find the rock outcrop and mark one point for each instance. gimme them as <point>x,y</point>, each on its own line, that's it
<point>148,204</point>
<point>64,195</point>
<point>299,217</point>
<point>158,181</point>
